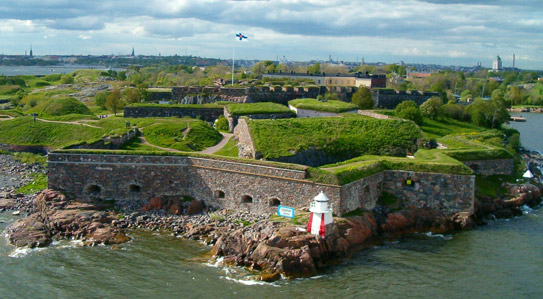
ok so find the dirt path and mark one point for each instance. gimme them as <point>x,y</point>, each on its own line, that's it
<point>6,117</point>
<point>213,149</point>
<point>68,123</point>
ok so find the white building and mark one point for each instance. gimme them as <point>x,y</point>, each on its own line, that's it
<point>497,65</point>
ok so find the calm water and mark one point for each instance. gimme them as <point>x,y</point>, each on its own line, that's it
<point>501,260</point>
<point>45,70</point>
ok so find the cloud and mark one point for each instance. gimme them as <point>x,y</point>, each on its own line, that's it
<point>450,29</point>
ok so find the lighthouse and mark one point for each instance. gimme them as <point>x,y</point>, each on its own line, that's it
<point>320,217</point>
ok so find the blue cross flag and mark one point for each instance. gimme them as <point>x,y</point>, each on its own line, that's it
<point>241,36</point>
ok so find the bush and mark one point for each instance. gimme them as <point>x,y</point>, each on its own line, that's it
<point>100,99</point>
<point>454,111</point>
<point>409,110</point>
<point>362,98</point>
<point>221,124</point>
<point>430,108</point>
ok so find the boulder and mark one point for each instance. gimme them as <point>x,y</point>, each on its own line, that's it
<point>195,207</point>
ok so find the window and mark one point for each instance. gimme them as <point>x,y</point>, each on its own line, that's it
<point>134,188</point>
<point>94,189</point>
<point>219,194</point>
<point>274,202</point>
<point>246,199</point>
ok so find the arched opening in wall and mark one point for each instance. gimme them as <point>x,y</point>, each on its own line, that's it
<point>219,194</point>
<point>367,190</point>
<point>274,202</point>
<point>246,199</point>
<point>134,188</point>
<point>94,189</point>
<point>474,167</point>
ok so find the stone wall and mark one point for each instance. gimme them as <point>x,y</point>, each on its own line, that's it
<point>301,113</point>
<point>233,119</point>
<point>35,149</point>
<point>389,98</point>
<point>446,193</point>
<point>491,167</point>
<point>108,142</point>
<point>135,180</point>
<point>246,147</point>
<point>206,114</point>
<point>370,113</point>
<point>362,194</point>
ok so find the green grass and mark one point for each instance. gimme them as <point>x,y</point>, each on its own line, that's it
<point>491,185</point>
<point>257,108</point>
<point>329,106</point>
<point>230,149</point>
<point>38,183</point>
<point>71,117</point>
<point>11,112</point>
<point>24,131</point>
<point>30,158</point>
<point>135,144</point>
<point>351,170</point>
<point>182,135</point>
<point>9,89</point>
<point>439,128</point>
<point>59,107</point>
<point>338,137</point>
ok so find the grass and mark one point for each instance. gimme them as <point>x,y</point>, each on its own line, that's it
<point>71,117</point>
<point>59,107</point>
<point>338,137</point>
<point>329,106</point>
<point>257,108</point>
<point>351,170</point>
<point>439,128</point>
<point>24,131</point>
<point>30,158</point>
<point>300,218</point>
<point>491,185</point>
<point>188,135</point>
<point>38,183</point>
<point>230,149</point>
<point>135,144</point>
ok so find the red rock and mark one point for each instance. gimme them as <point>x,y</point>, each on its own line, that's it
<point>154,204</point>
<point>195,207</point>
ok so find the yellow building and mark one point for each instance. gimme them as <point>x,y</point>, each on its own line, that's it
<point>337,80</point>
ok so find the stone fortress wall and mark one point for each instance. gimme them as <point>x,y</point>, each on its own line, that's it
<point>135,179</point>
<point>390,98</point>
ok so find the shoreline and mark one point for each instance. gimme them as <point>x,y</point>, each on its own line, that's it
<point>274,247</point>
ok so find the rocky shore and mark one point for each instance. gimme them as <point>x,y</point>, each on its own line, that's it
<point>526,109</point>
<point>274,246</point>
<point>14,174</point>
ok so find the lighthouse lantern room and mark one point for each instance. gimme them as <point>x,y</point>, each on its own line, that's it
<point>321,216</point>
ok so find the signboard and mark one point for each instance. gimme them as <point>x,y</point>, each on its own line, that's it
<point>285,212</point>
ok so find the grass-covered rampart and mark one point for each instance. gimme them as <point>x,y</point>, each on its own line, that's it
<point>257,108</point>
<point>336,136</point>
<point>328,106</point>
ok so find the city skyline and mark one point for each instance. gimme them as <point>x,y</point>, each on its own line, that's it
<point>433,32</point>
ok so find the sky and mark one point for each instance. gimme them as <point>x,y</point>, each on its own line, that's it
<point>446,32</point>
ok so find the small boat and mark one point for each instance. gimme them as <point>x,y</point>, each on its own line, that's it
<point>517,118</point>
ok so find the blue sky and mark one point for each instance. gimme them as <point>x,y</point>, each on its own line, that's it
<point>445,32</point>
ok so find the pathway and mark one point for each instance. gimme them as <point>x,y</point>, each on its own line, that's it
<point>5,117</point>
<point>224,141</point>
<point>68,123</point>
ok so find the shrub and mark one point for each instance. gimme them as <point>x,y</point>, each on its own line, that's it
<point>430,108</point>
<point>362,98</point>
<point>454,111</point>
<point>409,110</point>
<point>221,124</point>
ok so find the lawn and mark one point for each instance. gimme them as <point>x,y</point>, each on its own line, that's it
<point>257,108</point>
<point>339,137</point>
<point>229,150</point>
<point>183,135</point>
<point>328,106</point>
<point>439,128</point>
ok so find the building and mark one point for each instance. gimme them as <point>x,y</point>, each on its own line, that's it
<point>497,65</point>
<point>335,80</point>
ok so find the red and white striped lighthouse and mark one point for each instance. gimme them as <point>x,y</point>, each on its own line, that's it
<point>321,215</point>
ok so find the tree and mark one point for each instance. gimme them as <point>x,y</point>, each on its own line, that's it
<point>114,102</point>
<point>314,69</point>
<point>409,110</point>
<point>362,98</point>
<point>100,99</point>
<point>132,95</point>
<point>488,113</point>
<point>331,96</point>
<point>261,66</point>
<point>430,108</point>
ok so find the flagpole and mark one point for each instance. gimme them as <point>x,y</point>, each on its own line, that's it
<point>233,47</point>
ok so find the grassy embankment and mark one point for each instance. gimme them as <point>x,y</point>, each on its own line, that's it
<point>328,106</point>
<point>257,108</point>
<point>336,136</point>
